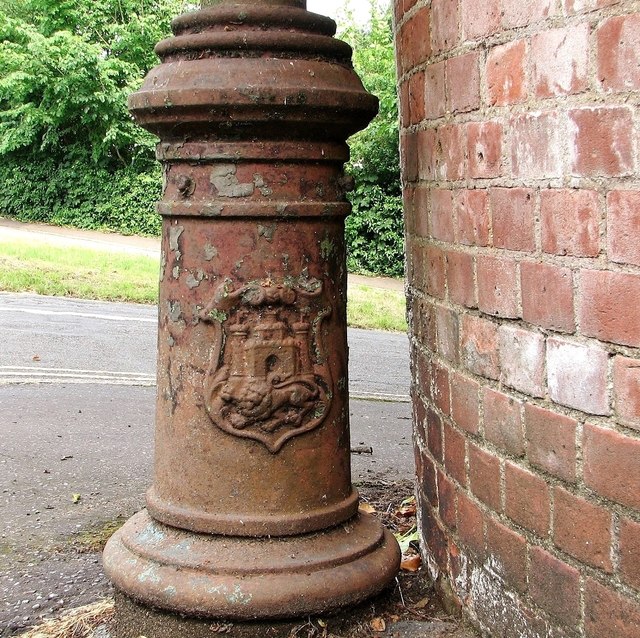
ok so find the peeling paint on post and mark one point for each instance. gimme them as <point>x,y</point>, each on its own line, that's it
<point>252,514</point>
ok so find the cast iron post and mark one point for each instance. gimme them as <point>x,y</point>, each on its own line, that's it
<point>252,514</point>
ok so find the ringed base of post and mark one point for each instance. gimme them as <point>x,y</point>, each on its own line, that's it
<point>245,579</point>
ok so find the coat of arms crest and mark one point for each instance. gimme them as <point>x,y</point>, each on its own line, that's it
<point>268,379</point>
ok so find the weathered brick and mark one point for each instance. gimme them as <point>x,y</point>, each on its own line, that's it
<point>522,360</point>
<point>537,145</point>
<point>519,14</point>
<point>416,210</point>
<point>465,403</point>
<point>527,499</point>
<point>434,434</point>
<point>472,217</point>
<point>447,501</point>
<point>409,156</point>
<point>460,279</point>
<point>626,389</point>
<point>555,586</point>
<point>608,613</point>
<point>450,149</point>
<point>582,529</point>
<point>436,541</point>
<point>547,296</point>
<point>484,476</point>
<point>440,391</point>
<point>447,334</point>
<point>463,82</point>
<point>426,151</point>
<point>579,6</point>
<point>630,552</point>
<point>503,421</point>
<point>623,227</point>
<point>618,42</point>
<point>601,141</point>
<point>570,222</point>
<point>609,308</point>
<point>506,77</point>
<point>509,552</point>
<point>444,25</point>
<point>612,465</point>
<point>577,376</point>
<point>470,524</point>
<point>498,287</point>
<point>484,149</point>
<point>513,216</point>
<point>559,61</point>
<point>551,441</point>
<point>479,19</point>
<point>414,40</point>
<point>435,99</point>
<point>416,98</point>
<point>454,454</point>
<point>442,218</point>
<point>435,272</point>
<point>427,481</point>
<point>479,346</point>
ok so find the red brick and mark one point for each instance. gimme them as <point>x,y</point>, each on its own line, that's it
<point>609,308</point>
<point>442,222</point>
<point>618,42</point>
<point>409,156</point>
<point>416,98</point>
<point>415,263</point>
<point>447,501</point>
<point>460,279</point>
<point>608,613</point>
<point>506,77</point>
<point>484,149</point>
<point>612,465</point>
<point>440,390</point>
<point>435,273</point>
<point>578,6</point>
<point>503,421</point>
<point>454,454</point>
<point>537,145</point>
<point>601,141</point>
<point>472,216</point>
<point>434,434</point>
<point>522,359</point>
<point>570,222</point>
<point>447,334</point>
<point>484,477</point>
<point>551,441</point>
<point>414,40</point>
<point>435,104</point>
<point>444,25</point>
<point>404,104</point>
<point>547,296</point>
<point>519,14</point>
<point>559,61</point>
<point>555,586</point>
<point>479,19</point>
<point>498,287</point>
<point>509,552</point>
<point>623,227</point>
<point>416,210</point>
<point>527,499</point>
<point>513,214</point>
<point>479,346</point>
<point>582,529</point>
<point>626,389</point>
<point>463,82</point>
<point>630,552</point>
<point>451,144</point>
<point>577,376</point>
<point>470,524</point>
<point>436,541</point>
<point>419,418</point>
<point>424,323</point>
<point>465,403</point>
<point>426,149</point>
<point>427,481</point>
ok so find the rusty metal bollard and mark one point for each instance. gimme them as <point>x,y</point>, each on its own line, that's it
<point>252,514</point>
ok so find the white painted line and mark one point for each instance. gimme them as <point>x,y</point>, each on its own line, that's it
<point>87,315</point>
<point>74,371</point>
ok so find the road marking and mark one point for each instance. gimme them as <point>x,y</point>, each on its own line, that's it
<point>87,315</point>
<point>21,375</point>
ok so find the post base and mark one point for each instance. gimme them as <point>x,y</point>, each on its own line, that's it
<point>245,578</point>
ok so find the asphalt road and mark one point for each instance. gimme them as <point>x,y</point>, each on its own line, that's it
<point>77,388</point>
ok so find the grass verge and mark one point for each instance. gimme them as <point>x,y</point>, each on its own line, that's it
<point>38,267</point>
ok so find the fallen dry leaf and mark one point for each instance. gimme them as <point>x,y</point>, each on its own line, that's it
<point>421,604</point>
<point>378,624</point>
<point>36,357</point>
<point>367,508</point>
<point>411,562</point>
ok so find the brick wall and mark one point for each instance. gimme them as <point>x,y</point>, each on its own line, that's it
<point>520,148</point>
